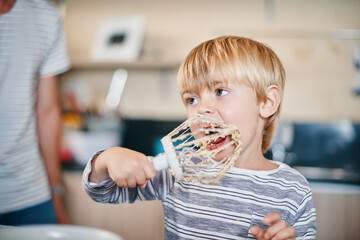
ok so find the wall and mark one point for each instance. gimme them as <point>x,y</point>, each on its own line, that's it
<point>315,41</point>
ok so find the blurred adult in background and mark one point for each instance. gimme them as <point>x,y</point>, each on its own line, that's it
<point>32,53</point>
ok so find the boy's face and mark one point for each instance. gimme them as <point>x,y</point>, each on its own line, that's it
<point>233,103</point>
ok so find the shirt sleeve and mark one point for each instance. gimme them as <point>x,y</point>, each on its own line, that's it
<point>108,192</point>
<point>305,225</point>
<point>57,60</point>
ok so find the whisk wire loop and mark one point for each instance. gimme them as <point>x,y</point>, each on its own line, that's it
<point>198,141</point>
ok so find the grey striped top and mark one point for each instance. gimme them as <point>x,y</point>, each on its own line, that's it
<point>223,210</point>
<point>32,44</point>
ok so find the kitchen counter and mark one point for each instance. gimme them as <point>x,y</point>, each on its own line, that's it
<point>334,188</point>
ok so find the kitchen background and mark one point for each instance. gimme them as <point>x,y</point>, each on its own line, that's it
<point>317,41</point>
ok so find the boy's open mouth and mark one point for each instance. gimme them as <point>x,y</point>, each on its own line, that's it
<point>216,143</point>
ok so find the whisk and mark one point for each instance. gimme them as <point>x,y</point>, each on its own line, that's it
<point>194,149</point>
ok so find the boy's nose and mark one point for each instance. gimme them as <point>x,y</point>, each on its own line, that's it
<point>206,109</point>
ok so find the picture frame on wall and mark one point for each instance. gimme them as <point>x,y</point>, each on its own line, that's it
<point>119,39</point>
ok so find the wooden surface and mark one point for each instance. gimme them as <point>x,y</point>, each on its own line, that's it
<point>338,216</point>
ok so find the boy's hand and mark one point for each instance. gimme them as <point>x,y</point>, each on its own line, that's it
<point>277,230</point>
<point>126,167</point>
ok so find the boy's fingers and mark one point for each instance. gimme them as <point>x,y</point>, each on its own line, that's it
<point>149,170</point>
<point>149,173</point>
<point>142,180</point>
<point>257,232</point>
<point>274,229</point>
<point>143,186</point>
<point>287,233</point>
<point>121,182</point>
<point>131,182</point>
<point>272,218</point>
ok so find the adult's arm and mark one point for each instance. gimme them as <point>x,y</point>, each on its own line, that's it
<point>49,126</point>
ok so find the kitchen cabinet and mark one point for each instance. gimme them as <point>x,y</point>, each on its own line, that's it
<point>338,216</point>
<point>338,212</point>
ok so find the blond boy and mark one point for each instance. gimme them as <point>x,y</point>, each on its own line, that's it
<point>239,81</point>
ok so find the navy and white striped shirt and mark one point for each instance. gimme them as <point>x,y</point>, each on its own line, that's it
<point>223,210</point>
<point>32,45</point>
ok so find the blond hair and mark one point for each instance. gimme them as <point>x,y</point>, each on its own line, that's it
<point>231,58</point>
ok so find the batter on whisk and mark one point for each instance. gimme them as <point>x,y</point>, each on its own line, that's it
<point>240,82</point>
<point>201,149</point>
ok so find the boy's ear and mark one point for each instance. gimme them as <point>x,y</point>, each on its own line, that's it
<point>272,102</point>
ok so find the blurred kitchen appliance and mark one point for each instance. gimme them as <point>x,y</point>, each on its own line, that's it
<point>323,151</point>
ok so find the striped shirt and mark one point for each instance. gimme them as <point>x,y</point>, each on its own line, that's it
<point>32,45</point>
<point>226,209</point>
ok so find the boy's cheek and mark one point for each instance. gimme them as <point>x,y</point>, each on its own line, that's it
<point>190,112</point>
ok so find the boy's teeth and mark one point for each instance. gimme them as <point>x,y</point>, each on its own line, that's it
<point>216,141</point>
